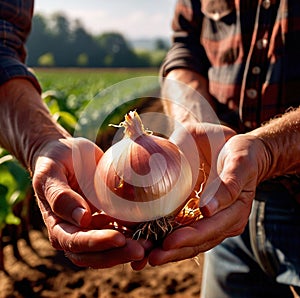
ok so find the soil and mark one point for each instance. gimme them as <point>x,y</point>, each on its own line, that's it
<point>42,271</point>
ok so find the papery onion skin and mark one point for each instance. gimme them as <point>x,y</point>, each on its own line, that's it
<point>142,177</point>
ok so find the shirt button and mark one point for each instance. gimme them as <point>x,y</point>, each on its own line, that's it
<point>256,70</point>
<point>266,4</point>
<point>251,93</point>
<point>262,43</point>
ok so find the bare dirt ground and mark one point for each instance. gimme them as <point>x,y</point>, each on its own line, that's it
<point>44,272</point>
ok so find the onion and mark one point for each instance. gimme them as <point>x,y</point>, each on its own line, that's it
<point>143,180</point>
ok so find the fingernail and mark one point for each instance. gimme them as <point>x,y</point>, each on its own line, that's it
<point>78,214</point>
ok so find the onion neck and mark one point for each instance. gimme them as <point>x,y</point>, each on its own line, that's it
<point>133,125</point>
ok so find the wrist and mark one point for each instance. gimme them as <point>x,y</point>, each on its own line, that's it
<point>281,140</point>
<point>186,97</point>
<point>25,121</point>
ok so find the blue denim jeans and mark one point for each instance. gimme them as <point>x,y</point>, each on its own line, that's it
<point>265,260</point>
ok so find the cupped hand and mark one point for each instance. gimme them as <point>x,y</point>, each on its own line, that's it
<point>201,144</point>
<point>225,203</point>
<point>63,182</point>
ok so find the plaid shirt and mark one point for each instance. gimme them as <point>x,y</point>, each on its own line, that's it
<point>249,50</point>
<point>15,25</point>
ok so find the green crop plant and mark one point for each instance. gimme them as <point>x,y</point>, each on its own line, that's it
<point>15,194</point>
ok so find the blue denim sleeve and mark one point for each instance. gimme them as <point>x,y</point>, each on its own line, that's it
<point>15,26</point>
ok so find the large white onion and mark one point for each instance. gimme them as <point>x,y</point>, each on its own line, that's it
<point>142,177</point>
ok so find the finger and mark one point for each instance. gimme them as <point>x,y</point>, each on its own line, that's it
<point>208,232</point>
<point>132,251</point>
<point>160,257</point>
<point>101,220</point>
<point>68,204</point>
<point>51,186</point>
<point>139,265</point>
<point>216,197</point>
<point>70,238</point>
<point>201,144</point>
<point>224,191</point>
<point>85,157</point>
<point>205,234</point>
<point>237,173</point>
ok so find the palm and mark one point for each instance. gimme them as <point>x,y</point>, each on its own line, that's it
<point>63,182</point>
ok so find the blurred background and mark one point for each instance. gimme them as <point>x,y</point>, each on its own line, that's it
<point>75,33</point>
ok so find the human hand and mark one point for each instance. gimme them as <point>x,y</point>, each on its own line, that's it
<point>201,144</point>
<point>226,202</point>
<point>63,182</point>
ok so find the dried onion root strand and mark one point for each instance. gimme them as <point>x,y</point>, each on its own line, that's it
<point>154,230</point>
<point>158,229</point>
<point>191,211</point>
<point>145,182</point>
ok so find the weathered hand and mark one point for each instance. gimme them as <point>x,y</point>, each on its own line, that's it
<point>226,202</point>
<point>201,144</point>
<point>63,181</point>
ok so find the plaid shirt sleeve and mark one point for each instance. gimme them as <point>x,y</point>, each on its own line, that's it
<point>15,25</point>
<point>247,49</point>
<point>186,51</point>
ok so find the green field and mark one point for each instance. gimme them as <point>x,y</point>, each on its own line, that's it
<point>68,91</point>
<point>86,82</point>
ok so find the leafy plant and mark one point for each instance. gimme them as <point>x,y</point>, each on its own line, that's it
<point>15,187</point>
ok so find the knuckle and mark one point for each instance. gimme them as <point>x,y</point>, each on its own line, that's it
<point>37,184</point>
<point>245,159</point>
<point>238,228</point>
<point>55,196</point>
<point>73,244</point>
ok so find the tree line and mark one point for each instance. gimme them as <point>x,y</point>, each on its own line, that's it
<point>57,41</point>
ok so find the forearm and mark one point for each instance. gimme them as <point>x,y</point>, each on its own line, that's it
<point>187,98</point>
<point>281,137</point>
<point>25,122</point>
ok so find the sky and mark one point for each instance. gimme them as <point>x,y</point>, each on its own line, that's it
<point>133,18</point>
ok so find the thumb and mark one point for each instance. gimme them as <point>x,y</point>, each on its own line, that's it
<point>223,186</point>
<point>222,191</point>
<point>56,196</point>
<point>230,185</point>
<point>211,199</point>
